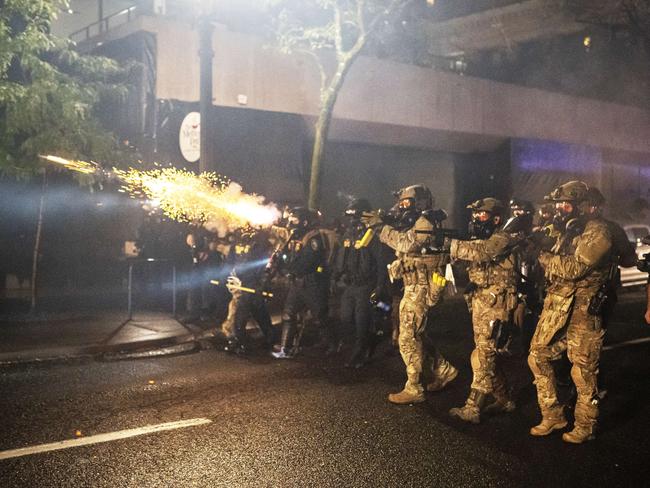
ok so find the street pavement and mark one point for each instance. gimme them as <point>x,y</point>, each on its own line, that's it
<point>91,333</point>
<point>312,422</point>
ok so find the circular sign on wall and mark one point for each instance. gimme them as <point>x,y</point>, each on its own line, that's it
<point>189,138</point>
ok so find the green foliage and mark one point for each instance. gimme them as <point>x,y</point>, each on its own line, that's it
<point>326,29</point>
<point>49,93</point>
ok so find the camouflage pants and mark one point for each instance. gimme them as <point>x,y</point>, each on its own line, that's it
<point>228,325</point>
<point>581,335</point>
<point>488,374</point>
<point>419,359</point>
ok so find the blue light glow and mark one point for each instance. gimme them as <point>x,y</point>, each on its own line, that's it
<point>532,155</point>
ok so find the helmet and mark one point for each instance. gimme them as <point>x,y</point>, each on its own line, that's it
<point>572,191</point>
<point>546,209</point>
<point>522,215</point>
<point>488,204</point>
<point>420,196</point>
<point>484,219</point>
<point>521,206</point>
<point>594,197</point>
<point>546,212</point>
<point>301,219</point>
<point>357,206</point>
<point>353,213</point>
<point>411,202</point>
<point>570,202</point>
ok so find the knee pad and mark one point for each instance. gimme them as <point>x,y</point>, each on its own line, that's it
<point>533,364</point>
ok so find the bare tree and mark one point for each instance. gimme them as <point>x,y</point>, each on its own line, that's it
<point>333,33</point>
<point>632,16</point>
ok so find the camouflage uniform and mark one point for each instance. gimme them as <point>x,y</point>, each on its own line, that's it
<point>576,267</point>
<point>228,325</point>
<point>248,260</point>
<point>493,301</point>
<point>420,294</point>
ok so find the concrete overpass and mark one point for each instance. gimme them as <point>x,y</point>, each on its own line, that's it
<point>453,132</point>
<point>383,102</point>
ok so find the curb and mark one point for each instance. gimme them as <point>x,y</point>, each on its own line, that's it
<point>175,350</point>
<point>113,351</point>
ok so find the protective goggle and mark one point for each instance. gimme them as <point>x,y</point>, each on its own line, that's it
<point>564,207</point>
<point>405,203</point>
<point>481,216</point>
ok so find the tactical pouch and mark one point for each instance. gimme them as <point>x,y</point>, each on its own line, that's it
<point>598,301</point>
<point>395,270</point>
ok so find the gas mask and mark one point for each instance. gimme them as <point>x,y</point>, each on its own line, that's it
<point>564,212</point>
<point>482,225</point>
<point>405,214</point>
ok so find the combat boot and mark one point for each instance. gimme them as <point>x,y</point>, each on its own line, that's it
<point>500,406</point>
<point>404,397</point>
<point>578,435</point>
<point>283,353</point>
<point>439,382</point>
<point>548,425</point>
<point>232,346</point>
<point>286,350</point>
<point>471,411</point>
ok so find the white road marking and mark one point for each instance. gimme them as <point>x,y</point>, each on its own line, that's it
<point>96,439</point>
<point>626,343</point>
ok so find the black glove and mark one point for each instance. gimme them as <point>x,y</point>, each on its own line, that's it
<point>372,219</point>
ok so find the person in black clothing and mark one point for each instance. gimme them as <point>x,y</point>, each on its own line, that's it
<point>303,261</point>
<point>530,275</point>
<point>248,257</point>
<point>360,265</point>
<point>197,303</point>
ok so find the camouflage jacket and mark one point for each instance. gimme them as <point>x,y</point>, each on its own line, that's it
<point>492,262</point>
<point>413,263</point>
<point>579,263</point>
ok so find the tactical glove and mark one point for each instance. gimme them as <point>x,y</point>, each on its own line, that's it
<point>371,219</point>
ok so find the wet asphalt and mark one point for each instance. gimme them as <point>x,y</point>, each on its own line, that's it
<point>312,422</point>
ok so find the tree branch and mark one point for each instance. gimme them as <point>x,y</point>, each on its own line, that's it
<point>319,64</point>
<point>338,36</point>
<point>360,17</point>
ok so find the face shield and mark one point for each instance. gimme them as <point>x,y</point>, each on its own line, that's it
<point>405,213</point>
<point>564,208</point>
<point>406,204</point>
<point>481,225</point>
<point>481,216</point>
<point>564,211</point>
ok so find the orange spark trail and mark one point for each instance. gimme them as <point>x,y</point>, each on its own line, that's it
<point>184,196</point>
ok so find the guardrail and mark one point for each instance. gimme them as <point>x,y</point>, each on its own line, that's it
<point>97,28</point>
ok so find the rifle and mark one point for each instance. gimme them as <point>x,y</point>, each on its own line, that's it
<point>278,256</point>
<point>440,235</point>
